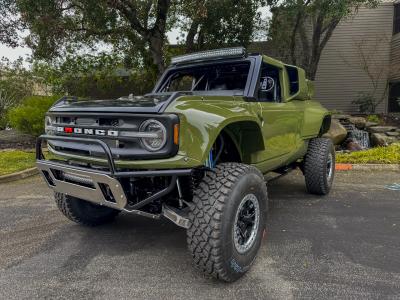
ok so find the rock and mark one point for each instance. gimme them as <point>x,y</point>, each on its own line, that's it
<point>337,133</point>
<point>359,122</point>
<point>393,133</point>
<point>381,139</point>
<point>341,117</point>
<point>370,124</point>
<point>353,146</point>
<point>381,129</point>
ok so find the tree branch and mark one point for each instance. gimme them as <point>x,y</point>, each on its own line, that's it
<point>129,11</point>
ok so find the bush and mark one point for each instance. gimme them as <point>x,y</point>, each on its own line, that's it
<point>29,116</point>
<point>373,118</point>
<point>378,155</point>
<point>6,103</point>
<point>367,102</point>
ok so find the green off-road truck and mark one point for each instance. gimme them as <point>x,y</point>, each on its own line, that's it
<point>195,150</point>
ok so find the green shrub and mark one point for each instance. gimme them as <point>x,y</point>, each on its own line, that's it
<point>367,102</point>
<point>373,118</point>
<point>29,116</point>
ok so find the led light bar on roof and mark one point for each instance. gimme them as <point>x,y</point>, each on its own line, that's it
<point>210,54</point>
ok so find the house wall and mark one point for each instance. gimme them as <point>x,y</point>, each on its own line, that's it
<point>357,41</point>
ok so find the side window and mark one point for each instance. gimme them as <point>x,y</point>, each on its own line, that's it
<point>293,75</point>
<point>270,86</point>
<point>180,83</point>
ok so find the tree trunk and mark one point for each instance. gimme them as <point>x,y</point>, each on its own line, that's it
<point>156,35</point>
<point>191,35</point>
<point>156,44</point>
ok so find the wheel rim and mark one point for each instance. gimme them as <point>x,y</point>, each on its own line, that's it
<point>246,223</point>
<point>329,167</point>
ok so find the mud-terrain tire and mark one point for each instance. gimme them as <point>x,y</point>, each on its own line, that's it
<point>319,166</point>
<point>233,192</point>
<point>84,212</point>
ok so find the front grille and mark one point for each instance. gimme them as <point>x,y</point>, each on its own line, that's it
<point>118,131</point>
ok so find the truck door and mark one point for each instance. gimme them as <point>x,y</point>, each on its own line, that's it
<point>281,121</point>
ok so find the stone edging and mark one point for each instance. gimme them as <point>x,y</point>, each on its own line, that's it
<point>367,167</point>
<point>19,175</point>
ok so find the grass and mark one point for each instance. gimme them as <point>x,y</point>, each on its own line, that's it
<point>379,155</point>
<point>15,160</point>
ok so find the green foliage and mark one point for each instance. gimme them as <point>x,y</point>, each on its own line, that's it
<point>378,155</point>
<point>10,24</point>
<point>14,161</point>
<point>366,102</point>
<point>15,83</point>
<point>211,24</point>
<point>96,76</point>
<point>15,79</point>
<point>373,118</point>
<point>6,102</point>
<point>29,116</point>
<point>130,27</point>
<point>136,29</point>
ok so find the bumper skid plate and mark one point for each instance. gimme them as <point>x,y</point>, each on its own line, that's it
<point>95,187</point>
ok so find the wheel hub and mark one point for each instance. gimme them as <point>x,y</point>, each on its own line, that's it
<point>246,223</point>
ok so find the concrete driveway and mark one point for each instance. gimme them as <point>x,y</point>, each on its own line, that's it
<point>346,245</point>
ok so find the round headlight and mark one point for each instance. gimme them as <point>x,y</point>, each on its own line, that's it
<point>154,135</point>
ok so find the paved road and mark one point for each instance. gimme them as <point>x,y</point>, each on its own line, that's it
<point>346,245</point>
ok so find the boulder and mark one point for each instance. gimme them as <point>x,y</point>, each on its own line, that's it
<point>393,133</point>
<point>381,129</point>
<point>359,122</point>
<point>353,146</point>
<point>337,133</point>
<point>381,139</point>
<point>370,124</point>
<point>341,117</point>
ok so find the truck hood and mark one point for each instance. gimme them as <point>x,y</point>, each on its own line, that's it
<point>138,104</point>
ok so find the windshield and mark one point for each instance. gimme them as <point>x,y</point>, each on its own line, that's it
<point>217,77</point>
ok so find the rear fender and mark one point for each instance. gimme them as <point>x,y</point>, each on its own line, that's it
<point>315,117</point>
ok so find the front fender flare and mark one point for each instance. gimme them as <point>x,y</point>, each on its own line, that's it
<point>201,122</point>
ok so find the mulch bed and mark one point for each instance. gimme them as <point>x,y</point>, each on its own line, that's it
<point>11,139</point>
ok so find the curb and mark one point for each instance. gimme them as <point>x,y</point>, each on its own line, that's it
<point>367,167</point>
<point>19,175</point>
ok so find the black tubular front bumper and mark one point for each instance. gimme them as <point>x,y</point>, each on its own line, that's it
<point>88,184</point>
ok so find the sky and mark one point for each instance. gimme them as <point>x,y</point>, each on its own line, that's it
<point>14,53</point>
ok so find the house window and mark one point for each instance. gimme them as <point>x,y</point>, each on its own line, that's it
<point>394,97</point>
<point>396,21</point>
